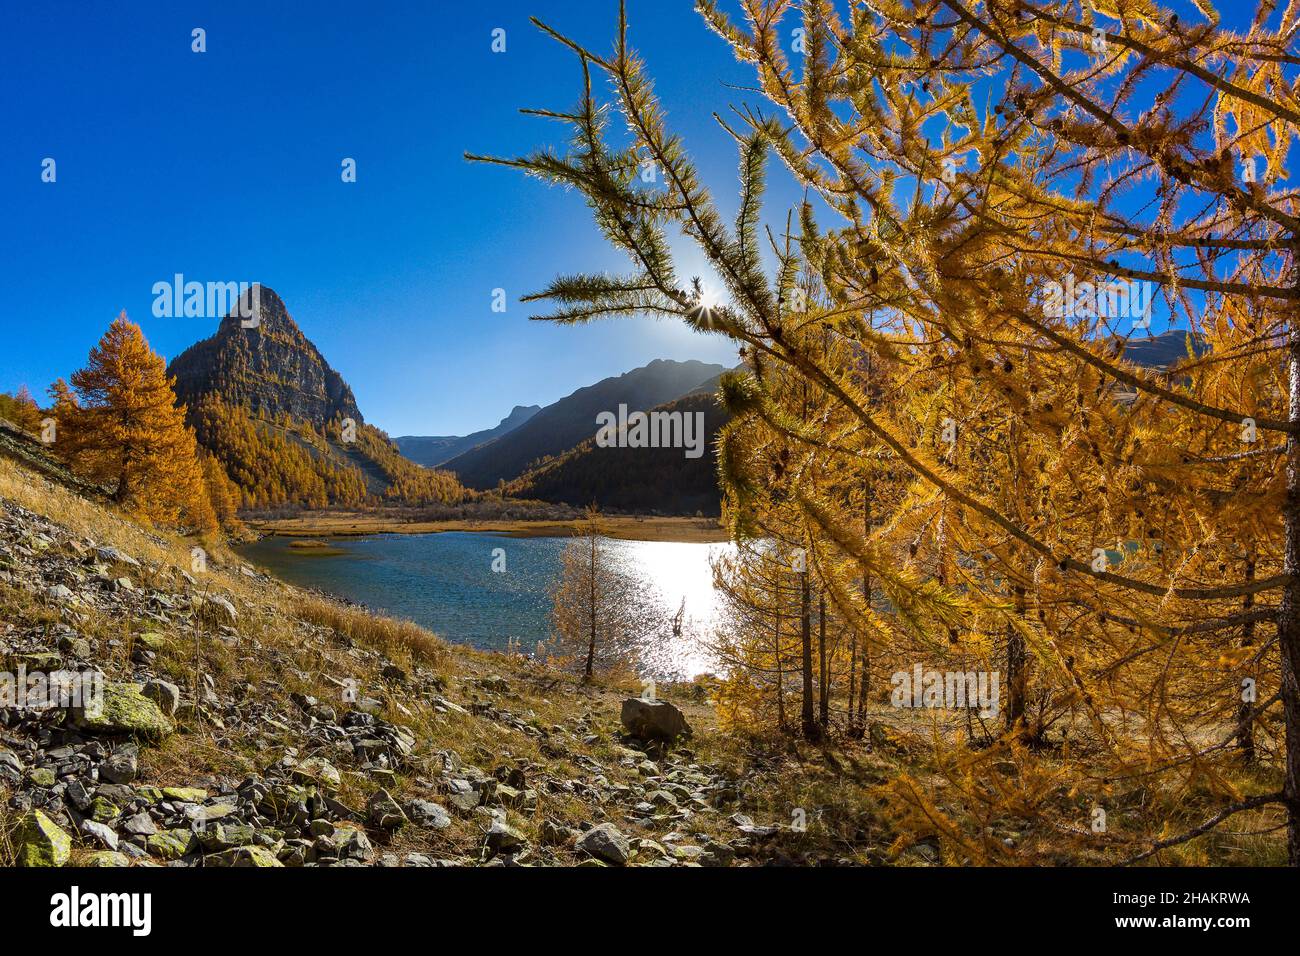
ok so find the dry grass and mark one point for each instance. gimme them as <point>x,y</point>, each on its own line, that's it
<point>102,524</point>
<point>346,524</point>
<point>845,786</point>
<point>395,638</point>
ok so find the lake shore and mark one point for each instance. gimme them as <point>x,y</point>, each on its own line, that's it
<point>360,524</point>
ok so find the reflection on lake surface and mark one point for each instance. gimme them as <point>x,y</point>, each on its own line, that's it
<point>445,582</point>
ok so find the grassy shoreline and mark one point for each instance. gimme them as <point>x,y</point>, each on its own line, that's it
<point>358,524</point>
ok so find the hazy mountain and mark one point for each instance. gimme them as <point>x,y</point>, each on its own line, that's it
<point>566,423</point>
<point>431,451</point>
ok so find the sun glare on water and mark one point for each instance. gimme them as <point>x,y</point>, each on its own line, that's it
<point>676,578</point>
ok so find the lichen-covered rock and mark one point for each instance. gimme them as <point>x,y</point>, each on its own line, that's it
<point>39,841</point>
<point>185,794</point>
<point>244,856</point>
<point>124,710</point>
<point>103,810</point>
<point>41,777</point>
<point>352,843</point>
<point>102,858</point>
<point>171,844</point>
<point>222,836</point>
<point>153,641</point>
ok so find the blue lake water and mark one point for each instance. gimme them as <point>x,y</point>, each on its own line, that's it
<point>445,582</point>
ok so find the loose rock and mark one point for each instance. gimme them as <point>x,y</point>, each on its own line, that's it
<point>39,841</point>
<point>653,720</point>
<point>606,843</point>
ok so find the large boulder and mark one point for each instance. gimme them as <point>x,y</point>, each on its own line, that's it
<point>654,720</point>
<point>125,710</point>
<point>39,841</point>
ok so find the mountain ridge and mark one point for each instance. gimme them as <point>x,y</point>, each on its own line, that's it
<point>563,424</point>
<point>663,480</point>
<point>433,450</point>
<point>273,364</point>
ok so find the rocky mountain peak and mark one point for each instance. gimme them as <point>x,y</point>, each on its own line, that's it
<point>260,359</point>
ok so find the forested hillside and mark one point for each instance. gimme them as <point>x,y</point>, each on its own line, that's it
<point>564,424</point>
<point>642,480</point>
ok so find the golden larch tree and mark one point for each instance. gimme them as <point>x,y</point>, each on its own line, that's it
<point>126,431</point>
<point>593,613</point>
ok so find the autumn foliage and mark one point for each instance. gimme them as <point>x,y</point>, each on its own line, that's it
<point>119,425</point>
<point>279,461</point>
<point>21,409</point>
<point>935,458</point>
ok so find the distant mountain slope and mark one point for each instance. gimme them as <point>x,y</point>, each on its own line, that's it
<point>643,480</point>
<point>564,424</point>
<point>1163,350</point>
<point>433,451</point>
<point>1158,353</point>
<point>285,426</point>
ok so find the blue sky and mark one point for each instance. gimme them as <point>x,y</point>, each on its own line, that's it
<point>225,166</point>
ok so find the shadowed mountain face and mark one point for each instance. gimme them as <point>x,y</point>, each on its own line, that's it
<point>561,426</point>
<point>646,480</point>
<point>1163,350</point>
<point>434,450</point>
<point>272,368</point>
<point>656,480</point>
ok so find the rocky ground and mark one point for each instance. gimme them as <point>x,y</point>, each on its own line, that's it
<point>249,724</point>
